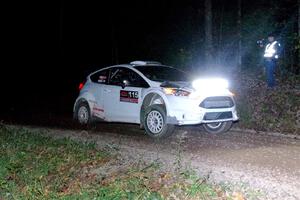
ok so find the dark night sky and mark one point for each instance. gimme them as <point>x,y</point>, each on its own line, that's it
<point>85,30</point>
<point>49,45</point>
<point>52,43</point>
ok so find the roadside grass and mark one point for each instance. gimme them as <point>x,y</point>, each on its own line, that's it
<point>36,167</point>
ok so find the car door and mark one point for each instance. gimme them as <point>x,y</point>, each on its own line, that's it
<point>99,80</point>
<point>123,95</point>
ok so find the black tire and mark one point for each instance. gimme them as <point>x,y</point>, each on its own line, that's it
<point>83,114</point>
<point>217,128</point>
<point>164,130</point>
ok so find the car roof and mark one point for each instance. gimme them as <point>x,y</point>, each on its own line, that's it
<point>132,65</point>
<point>139,62</point>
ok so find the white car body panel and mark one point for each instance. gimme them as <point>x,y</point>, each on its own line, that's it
<point>118,111</point>
<point>104,102</point>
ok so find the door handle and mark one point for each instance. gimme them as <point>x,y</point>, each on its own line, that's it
<point>107,90</point>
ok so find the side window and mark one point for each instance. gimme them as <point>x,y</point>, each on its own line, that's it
<point>100,77</point>
<point>135,80</point>
<point>115,77</point>
<point>119,75</point>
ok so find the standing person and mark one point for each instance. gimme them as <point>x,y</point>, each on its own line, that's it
<point>271,55</point>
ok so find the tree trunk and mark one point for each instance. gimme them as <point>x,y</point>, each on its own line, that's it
<point>298,67</point>
<point>220,42</point>
<point>61,18</point>
<point>114,45</point>
<point>208,33</point>
<point>298,17</point>
<point>239,33</point>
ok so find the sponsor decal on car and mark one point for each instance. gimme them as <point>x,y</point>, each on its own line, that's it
<point>129,96</point>
<point>97,111</point>
<point>102,79</point>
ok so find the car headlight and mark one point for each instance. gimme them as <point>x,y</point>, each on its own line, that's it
<point>176,92</point>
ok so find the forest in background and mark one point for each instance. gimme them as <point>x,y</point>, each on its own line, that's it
<point>223,34</point>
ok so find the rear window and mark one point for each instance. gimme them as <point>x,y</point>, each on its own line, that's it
<point>100,77</point>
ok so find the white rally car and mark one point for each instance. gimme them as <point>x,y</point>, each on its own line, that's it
<point>157,97</point>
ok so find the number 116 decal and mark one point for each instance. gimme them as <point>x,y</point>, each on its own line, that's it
<point>129,96</point>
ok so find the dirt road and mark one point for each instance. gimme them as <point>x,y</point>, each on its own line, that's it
<point>267,163</point>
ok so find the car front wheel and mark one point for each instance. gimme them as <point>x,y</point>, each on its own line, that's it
<point>217,127</point>
<point>155,122</point>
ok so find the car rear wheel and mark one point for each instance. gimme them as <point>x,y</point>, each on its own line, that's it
<point>218,127</point>
<point>83,114</point>
<point>155,119</point>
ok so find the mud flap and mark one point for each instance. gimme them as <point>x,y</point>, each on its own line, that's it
<point>171,120</point>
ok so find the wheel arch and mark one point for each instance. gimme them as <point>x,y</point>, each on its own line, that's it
<point>152,98</point>
<point>86,97</point>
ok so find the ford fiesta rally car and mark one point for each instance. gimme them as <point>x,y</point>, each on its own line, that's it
<point>157,97</point>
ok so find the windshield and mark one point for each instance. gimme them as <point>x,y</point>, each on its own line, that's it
<point>162,73</point>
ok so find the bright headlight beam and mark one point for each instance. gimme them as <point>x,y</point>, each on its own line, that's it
<point>210,83</point>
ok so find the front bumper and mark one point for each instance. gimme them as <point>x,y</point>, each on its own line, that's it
<point>186,111</point>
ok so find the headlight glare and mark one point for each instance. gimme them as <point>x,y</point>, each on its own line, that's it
<point>176,92</point>
<point>212,83</point>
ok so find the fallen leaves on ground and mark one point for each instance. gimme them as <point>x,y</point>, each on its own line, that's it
<point>264,109</point>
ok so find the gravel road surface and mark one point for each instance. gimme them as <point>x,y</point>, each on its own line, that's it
<point>268,163</point>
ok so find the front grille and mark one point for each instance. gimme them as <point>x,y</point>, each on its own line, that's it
<point>217,102</point>
<point>217,115</point>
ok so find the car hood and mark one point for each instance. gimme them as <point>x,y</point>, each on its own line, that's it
<point>187,86</point>
<point>177,84</point>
